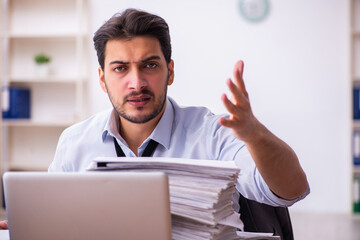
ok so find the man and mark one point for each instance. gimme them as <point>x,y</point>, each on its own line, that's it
<point>134,54</point>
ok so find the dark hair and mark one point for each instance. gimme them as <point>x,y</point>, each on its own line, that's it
<point>129,24</point>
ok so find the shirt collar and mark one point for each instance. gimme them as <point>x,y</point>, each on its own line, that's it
<point>161,133</point>
<point>112,126</point>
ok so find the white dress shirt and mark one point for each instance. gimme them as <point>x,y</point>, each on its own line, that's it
<point>182,132</point>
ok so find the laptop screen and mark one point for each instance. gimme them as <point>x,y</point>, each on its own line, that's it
<point>88,205</point>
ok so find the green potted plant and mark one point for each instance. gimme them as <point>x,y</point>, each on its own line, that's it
<point>42,58</point>
<point>42,64</point>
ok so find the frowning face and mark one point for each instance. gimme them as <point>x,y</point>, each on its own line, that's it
<point>135,77</point>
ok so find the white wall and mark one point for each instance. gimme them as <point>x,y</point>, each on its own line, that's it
<point>296,72</point>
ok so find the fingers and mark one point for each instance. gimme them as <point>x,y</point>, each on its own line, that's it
<point>230,107</point>
<point>241,120</point>
<point>226,122</point>
<point>240,99</point>
<point>238,77</point>
<point>237,95</point>
<point>3,225</point>
<point>239,68</point>
<point>239,105</point>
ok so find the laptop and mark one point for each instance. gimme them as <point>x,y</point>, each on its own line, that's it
<point>87,205</point>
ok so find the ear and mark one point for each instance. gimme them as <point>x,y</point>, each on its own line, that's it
<point>171,72</point>
<point>102,79</point>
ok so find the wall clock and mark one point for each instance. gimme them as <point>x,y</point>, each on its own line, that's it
<point>254,10</point>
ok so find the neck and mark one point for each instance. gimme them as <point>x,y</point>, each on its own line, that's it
<point>136,133</point>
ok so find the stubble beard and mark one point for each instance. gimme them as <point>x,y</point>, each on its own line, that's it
<point>159,105</point>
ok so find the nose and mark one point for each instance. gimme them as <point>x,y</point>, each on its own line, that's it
<point>136,80</point>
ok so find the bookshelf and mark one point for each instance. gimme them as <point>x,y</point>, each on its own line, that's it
<point>2,57</point>
<point>58,29</point>
<point>355,79</point>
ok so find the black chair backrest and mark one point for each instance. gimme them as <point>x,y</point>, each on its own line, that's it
<point>258,217</point>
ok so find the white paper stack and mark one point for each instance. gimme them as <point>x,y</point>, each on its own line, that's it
<point>200,192</point>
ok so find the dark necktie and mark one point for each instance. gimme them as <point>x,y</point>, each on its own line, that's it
<point>149,150</point>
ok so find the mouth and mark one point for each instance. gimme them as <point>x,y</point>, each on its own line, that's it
<point>139,101</point>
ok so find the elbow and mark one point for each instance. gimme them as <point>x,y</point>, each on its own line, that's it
<point>297,188</point>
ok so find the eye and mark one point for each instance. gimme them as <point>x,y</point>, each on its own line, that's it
<point>151,65</point>
<point>119,69</point>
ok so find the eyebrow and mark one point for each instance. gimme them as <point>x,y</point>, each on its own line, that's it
<point>143,60</point>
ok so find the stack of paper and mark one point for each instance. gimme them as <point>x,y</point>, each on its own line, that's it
<point>200,192</point>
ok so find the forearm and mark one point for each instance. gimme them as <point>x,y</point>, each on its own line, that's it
<point>277,164</point>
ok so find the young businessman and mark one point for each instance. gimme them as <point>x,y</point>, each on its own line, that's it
<point>134,53</point>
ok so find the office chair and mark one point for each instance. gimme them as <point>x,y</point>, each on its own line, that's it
<point>258,217</point>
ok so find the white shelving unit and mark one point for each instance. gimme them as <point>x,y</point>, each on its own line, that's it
<point>58,29</point>
<point>2,57</point>
<point>355,79</point>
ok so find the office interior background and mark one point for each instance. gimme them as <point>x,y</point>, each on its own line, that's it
<point>297,72</point>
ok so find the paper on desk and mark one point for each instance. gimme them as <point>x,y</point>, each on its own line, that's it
<point>257,236</point>
<point>187,167</point>
<point>4,234</point>
<point>170,161</point>
<point>233,220</point>
<point>200,193</point>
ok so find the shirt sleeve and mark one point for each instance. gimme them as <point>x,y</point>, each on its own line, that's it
<point>57,164</point>
<point>252,186</point>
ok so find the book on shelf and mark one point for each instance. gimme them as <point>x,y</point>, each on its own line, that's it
<point>15,103</point>
<point>356,194</point>
<point>356,102</point>
<point>356,147</point>
<point>200,194</point>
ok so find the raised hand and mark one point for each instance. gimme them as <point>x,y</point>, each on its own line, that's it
<point>275,160</point>
<point>241,120</point>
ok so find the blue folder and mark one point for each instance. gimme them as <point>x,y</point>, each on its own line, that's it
<point>16,103</point>
<point>356,102</point>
